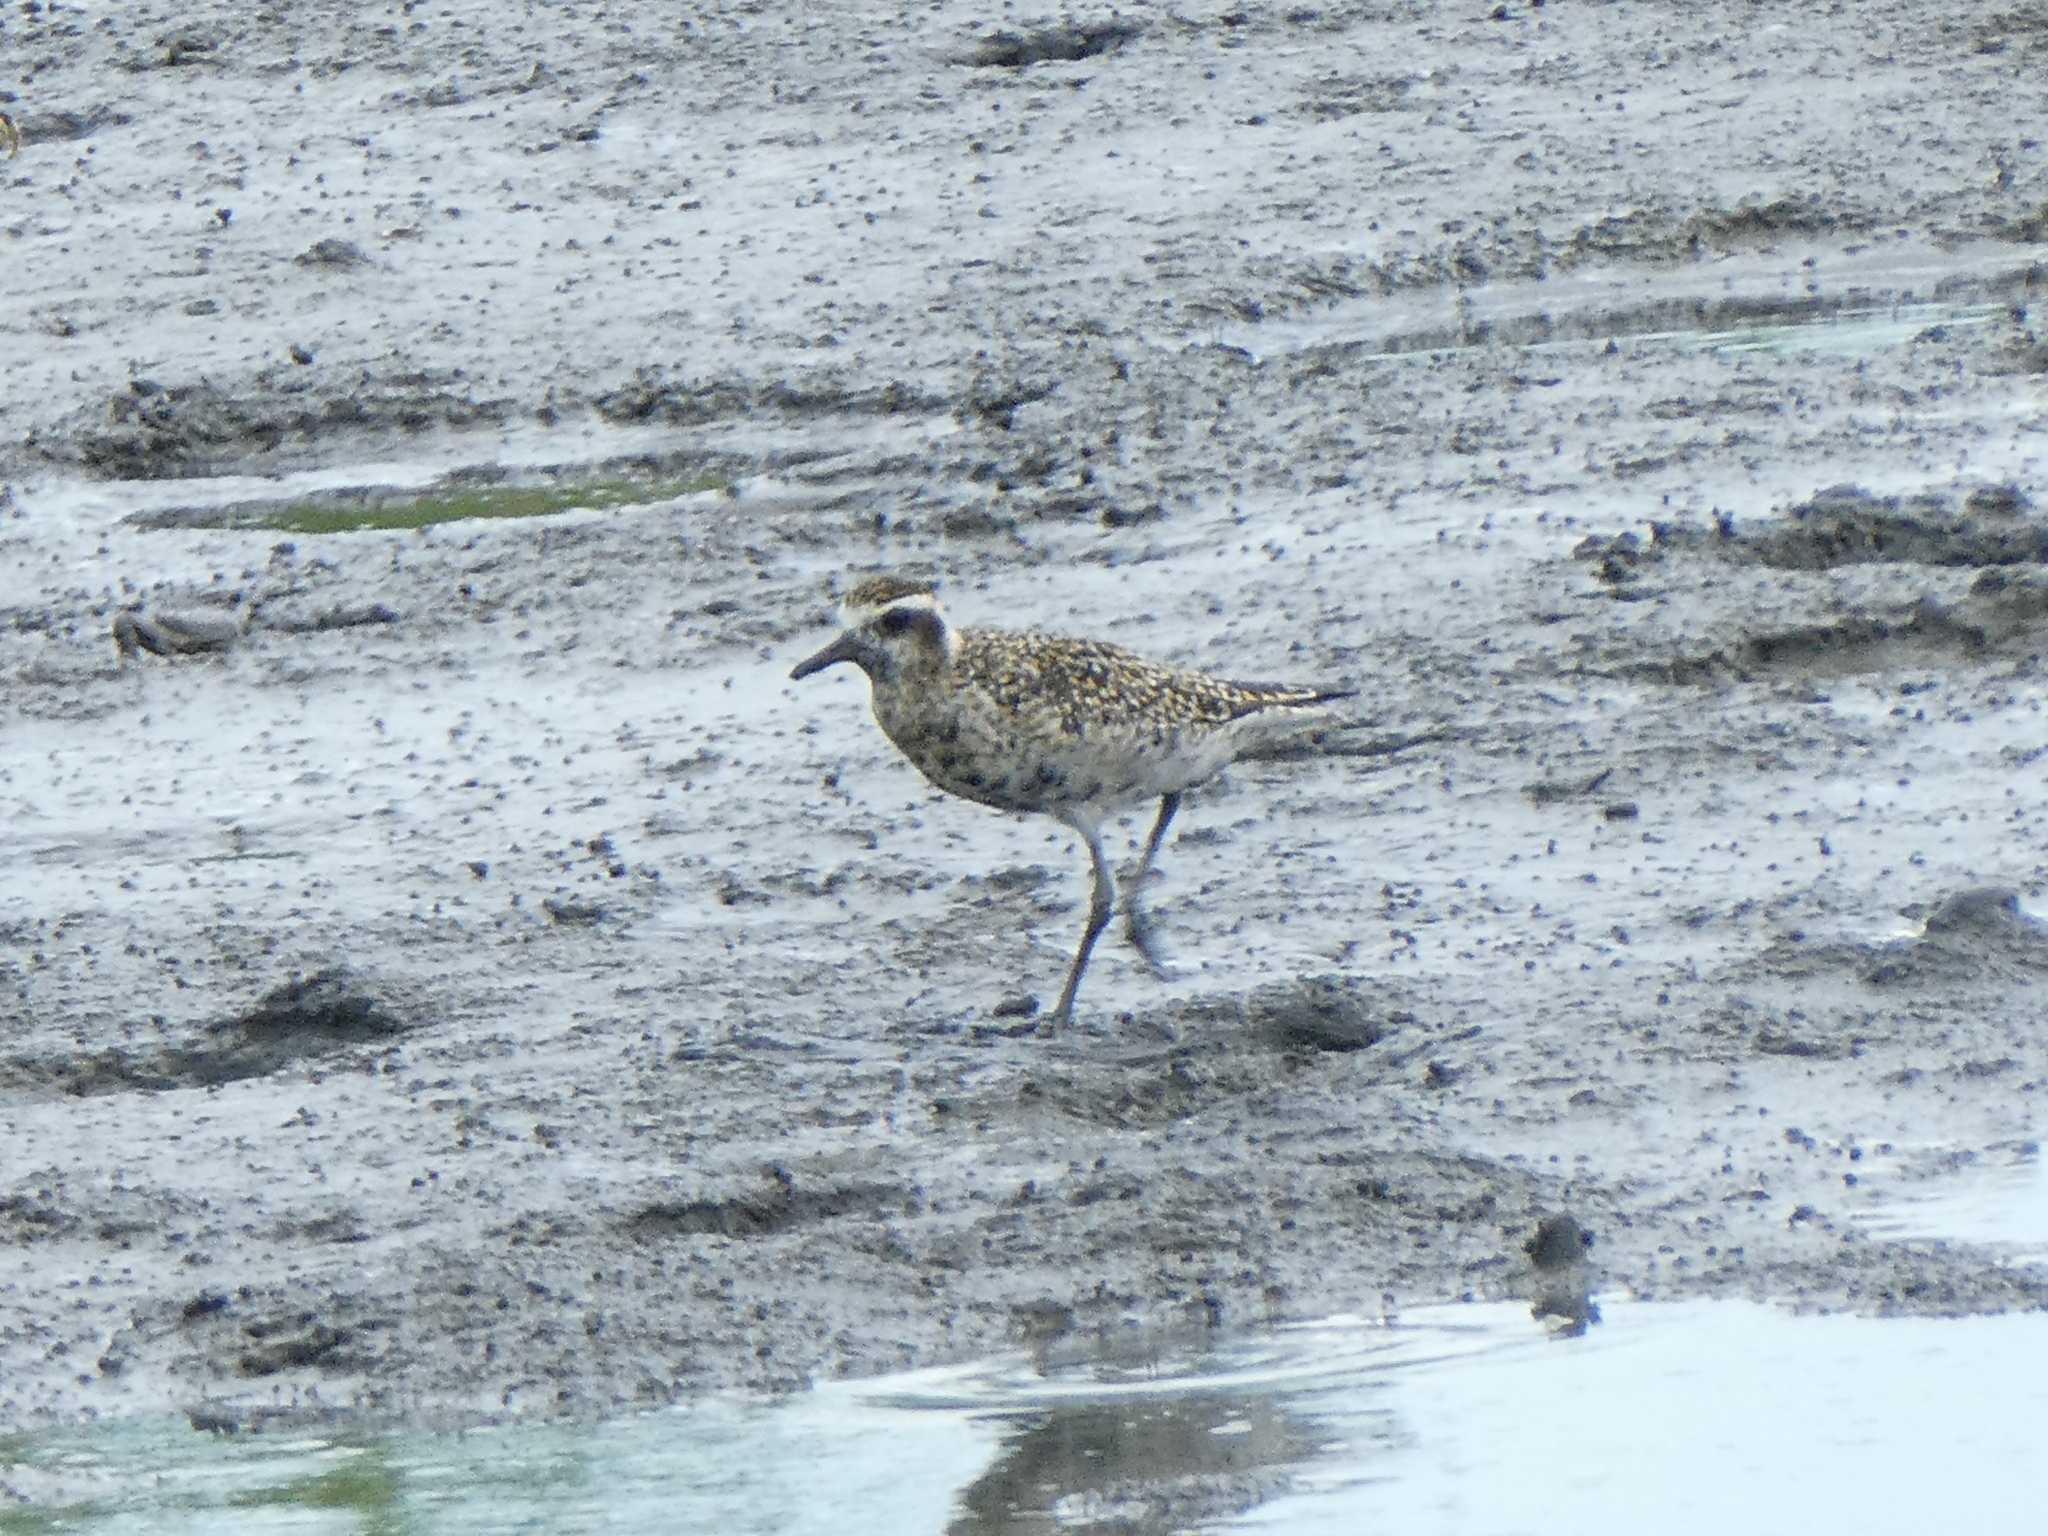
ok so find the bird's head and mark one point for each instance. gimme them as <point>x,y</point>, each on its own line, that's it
<point>893,629</point>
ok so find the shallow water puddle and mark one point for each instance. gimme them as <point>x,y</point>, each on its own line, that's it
<point>1848,329</point>
<point>1998,1198</point>
<point>1704,1416</point>
<point>588,468</point>
<point>1860,306</point>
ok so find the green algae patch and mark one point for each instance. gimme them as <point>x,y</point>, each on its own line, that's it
<point>364,1485</point>
<point>482,502</point>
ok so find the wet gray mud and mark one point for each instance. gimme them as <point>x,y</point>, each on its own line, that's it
<point>521,1000</point>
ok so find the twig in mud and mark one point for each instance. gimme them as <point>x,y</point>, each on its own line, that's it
<point>1550,791</point>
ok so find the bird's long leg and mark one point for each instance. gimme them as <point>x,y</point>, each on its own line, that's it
<point>1137,921</point>
<point>1100,904</point>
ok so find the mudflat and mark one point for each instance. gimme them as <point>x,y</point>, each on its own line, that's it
<point>477,983</point>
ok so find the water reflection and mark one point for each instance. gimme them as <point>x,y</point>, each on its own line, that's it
<point>1143,1440</point>
<point>1159,1466</point>
<point>1466,1418</point>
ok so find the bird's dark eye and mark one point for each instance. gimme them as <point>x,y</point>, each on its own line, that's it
<point>896,621</point>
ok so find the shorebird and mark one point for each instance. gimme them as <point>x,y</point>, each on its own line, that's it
<point>1069,728</point>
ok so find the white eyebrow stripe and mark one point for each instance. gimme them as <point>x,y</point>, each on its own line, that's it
<point>855,614</point>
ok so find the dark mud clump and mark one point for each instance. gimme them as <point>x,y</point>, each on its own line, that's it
<point>1843,525</point>
<point>764,1212</point>
<point>1320,1013</point>
<point>250,1333</point>
<point>1978,934</point>
<point>1560,1276</point>
<point>1052,45</point>
<point>1847,525</point>
<point>174,634</point>
<point>310,1018</point>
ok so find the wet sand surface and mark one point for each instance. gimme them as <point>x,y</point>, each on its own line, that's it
<point>483,985</point>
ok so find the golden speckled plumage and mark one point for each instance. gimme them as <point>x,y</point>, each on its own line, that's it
<point>1084,685</point>
<point>1065,727</point>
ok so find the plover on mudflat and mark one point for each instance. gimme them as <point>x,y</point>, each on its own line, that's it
<point>1073,729</point>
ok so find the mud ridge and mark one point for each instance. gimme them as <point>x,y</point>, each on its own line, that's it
<point>155,431</point>
<point>1838,1000</point>
<point>1925,633</point>
<point>1843,525</point>
<point>1660,235</point>
<point>652,396</point>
